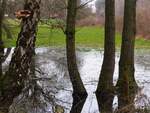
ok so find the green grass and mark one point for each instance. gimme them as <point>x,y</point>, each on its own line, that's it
<point>85,37</point>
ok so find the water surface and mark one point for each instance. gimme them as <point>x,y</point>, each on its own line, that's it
<point>51,62</point>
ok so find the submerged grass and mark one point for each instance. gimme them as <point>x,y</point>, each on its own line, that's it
<point>85,37</point>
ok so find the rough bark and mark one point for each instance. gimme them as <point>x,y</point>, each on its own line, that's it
<point>78,87</point>
<point>105,86</point>
<point>19,67</point>
<point>126,83</point>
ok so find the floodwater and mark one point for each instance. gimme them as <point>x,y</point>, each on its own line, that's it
<point>50,64</point>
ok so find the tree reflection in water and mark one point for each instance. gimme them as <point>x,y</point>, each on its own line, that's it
<point>126,104</point>
<point>58,93</point>
<point>78,103</point>
<point>105,102</point>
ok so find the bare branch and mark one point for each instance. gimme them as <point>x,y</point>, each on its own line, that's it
<point>84,4</point>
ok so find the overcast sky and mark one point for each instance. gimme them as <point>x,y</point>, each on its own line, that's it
<point>92,3</point>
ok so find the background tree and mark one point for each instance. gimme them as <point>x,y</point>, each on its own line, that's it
<point>79,91</point>
<point>100,7</point>
<point>105,86</point>
<point>2,13</point>
<point>12,6</point>
<point>19,67</point>
<point>3,28</point>
<point>126,83</point>
<point>143,17</point>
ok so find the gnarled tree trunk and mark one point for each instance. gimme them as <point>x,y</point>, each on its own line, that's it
<point>78,87</point>
<point>19,67</point>
<point>126,83</point>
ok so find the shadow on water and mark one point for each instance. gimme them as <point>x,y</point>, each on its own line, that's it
<point>50,91</point>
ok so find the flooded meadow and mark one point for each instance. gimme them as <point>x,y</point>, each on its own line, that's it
<point>54,91</point>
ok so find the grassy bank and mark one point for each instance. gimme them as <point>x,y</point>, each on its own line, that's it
<point>85,36</point>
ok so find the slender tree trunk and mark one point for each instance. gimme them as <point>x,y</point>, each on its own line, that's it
<point>126,83</point>
<point>78,87</point>
<point>19,67</point>
<point>2,11</point>
<point>1,42</point>
<point>105,86</point>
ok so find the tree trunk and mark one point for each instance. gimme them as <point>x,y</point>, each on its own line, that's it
<point>126,83</point>
<point>78,87</point>
<point>2,12</point>
<point>19,67</point>
<point>105,86</point>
